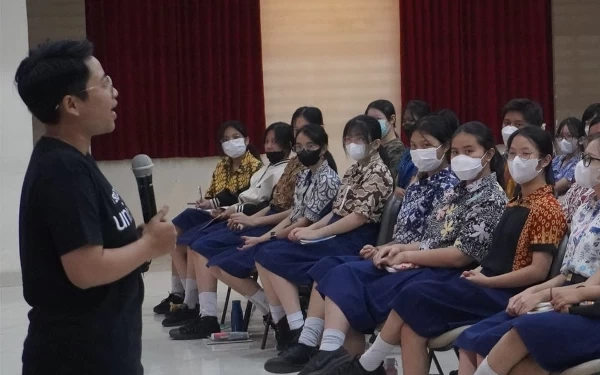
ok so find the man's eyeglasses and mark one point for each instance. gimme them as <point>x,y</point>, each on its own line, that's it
<point>107,83</point>
<point>587,159</point>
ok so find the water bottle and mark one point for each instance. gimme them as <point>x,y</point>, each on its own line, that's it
<point>237,317</point>
<point>390,366</point>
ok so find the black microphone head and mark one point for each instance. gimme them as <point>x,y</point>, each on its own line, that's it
<point>142,166</point>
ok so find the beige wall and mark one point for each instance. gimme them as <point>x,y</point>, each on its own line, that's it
<point>576,35</point>
<point>338,55</point>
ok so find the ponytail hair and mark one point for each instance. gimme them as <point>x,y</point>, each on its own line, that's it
<point>485,139</point>
<point>241,128</point>
<point>368,127</point>
<point>542,140</point>
<point>318,135</point>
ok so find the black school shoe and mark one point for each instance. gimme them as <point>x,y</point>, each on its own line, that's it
<point>165,305</point>
<point>283,335</point>
<point>292,359</point>
<point>181,315</point>
<point>199,328</point>
<point>355,368</point>
<point>323,362</point>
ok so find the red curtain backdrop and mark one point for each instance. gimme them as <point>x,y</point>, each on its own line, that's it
<point>473,56</point>
<point>182,68</point>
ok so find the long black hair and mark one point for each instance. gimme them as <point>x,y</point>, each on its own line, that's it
<point>312,115</point>
<point>591,112</point>
<point>368,128</point>
<point>384,106</point>
<point>284,136</point>
<point>439,128</point>
<point>318,135</point>
<point>485,139</point>
<point>239,126</point>
<point>542,140</point>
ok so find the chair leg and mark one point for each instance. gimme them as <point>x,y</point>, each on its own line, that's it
<point>247,314</point>
<point>437,363</point>
<point>266,333</point>
<point>456,352</point>
<point>225,306</point>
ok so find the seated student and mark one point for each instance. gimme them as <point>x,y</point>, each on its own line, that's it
<point>231,177</point>
<point>569,136</point>
<point>230,254</point>
<point>523,245</point>
<point>549,342</point>
<point>516,114</point>
<point>414,110</point>
<point>591,113</point>
<point>581,261</point>
<point>278,144</point>
<point>577,194</point>
<point>384,111</point>
<point>284,263</point>
<point>457,235</point>
<point>430,145</point>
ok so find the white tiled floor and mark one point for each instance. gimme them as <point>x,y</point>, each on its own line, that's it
<point>160,354</point>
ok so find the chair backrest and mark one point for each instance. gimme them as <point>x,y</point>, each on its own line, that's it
<point>559,257</point>
<point>388,219</point>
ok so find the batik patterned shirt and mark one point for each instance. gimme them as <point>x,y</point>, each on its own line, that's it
<point>419,201</point>
<point>365,190</point>
<point>466,218</point>
<point>583,249</point>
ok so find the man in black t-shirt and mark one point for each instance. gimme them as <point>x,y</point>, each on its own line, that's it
<point>80,253</point>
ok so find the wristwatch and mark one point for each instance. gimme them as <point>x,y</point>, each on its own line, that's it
<point>273,236</point>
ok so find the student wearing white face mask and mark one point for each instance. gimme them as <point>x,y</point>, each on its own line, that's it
<point>231,176</point>
<point>569,136</point>
<point>384,111</point>
<point>283,264</point>
<point>522,248</point>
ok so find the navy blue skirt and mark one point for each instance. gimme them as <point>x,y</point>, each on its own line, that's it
<point>363,292</point>
<point>322,267</point>
<point>431,308</point>
<point>237,263</point>
<point>190,218</point>
<point>545,335</point>
<point>481,337</point>
<point>293,261</point>
<point>195,233</point>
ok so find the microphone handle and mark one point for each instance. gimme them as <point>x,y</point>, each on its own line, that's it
<point>146,190</point>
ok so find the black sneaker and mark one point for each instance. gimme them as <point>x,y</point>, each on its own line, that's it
<point>181,315</point>
<point>292,359</point>
<point>326,362</point>
<point>196,329</point>
<point>355,368</point>
<point>165,305</point>
<point>282,333</point>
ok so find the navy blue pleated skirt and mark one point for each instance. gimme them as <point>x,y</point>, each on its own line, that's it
<point>545,335</point>
<point>363,292</point>
<point>237,263</point>
<point>195,233</point>
<point>431,308</point>
<point>190,218</point>
<point>481,337</point>
<point>293,261</point>
<point>322,267</point>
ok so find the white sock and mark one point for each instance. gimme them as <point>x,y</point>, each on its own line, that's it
<point>260,301</point>
<point>277,313</point>
<point>312,331</point>
<point>191,293</point>
<point>333,339</point>
<point>485,369</point>
<point>295,320</point>
<point>177,286</point>
<point>376,354</point>
<point>208,303</point>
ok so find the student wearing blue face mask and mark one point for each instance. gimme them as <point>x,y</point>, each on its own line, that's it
<point>384,111</point>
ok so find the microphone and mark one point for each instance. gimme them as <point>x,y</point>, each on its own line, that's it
<point>141,165</point>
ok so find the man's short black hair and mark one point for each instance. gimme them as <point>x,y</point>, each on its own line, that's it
<point>50,72</point>
<point>532,111</point>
